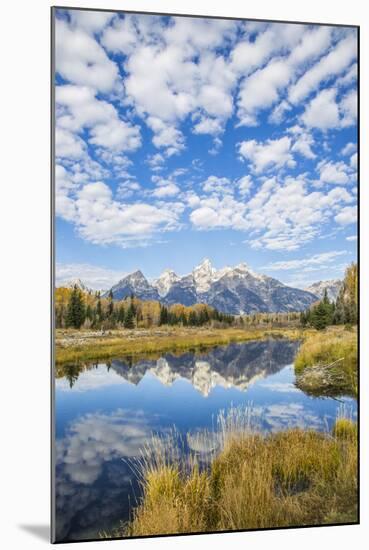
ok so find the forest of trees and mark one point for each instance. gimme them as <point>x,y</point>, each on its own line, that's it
<point>75,309</point>
<point>344,311</point>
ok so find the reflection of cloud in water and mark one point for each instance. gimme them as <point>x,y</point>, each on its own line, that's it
<point>93,483</point>
<point>281,416</point>
<point>280,387</point>
<point>98,438</point>
<point>91,380</point>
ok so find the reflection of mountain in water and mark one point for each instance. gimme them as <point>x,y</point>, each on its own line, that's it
<point>237,365</point>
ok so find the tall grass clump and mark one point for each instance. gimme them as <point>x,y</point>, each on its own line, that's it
<point>243,479</point>
<point>326,364</point>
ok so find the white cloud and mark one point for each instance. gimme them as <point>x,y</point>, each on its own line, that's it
<point>279,216</point>
<point>79,109</point>
<point>214,184</point>
<point>330,65</point>
<point>277,115</point>
<point>156,162</point>
<point>348,149</point>
<point>89,20</point>
<point>166,136</point>
<point>208,125</point>
<point>334,172</point>
<point>245,185</point>
<point>317,261</point>
<point>353,161</point>
<point>97,278</point>
<point>349,77</point>
<point>303,144</point>
<point>261,89</point>
<point>101,219</point>
<point>347,215</point>
<point>269,154</point>
<point>167,190</point>
<point>68,145</point>
<point>351,238</point>
<point>81,60</point>
<point>348,108</point>
<point>322,112</point>
<point>121,36</point>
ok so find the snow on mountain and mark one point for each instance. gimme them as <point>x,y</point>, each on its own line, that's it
<point>78,283</point>
<point>203,276</point>
<point>165,281</point>
<point>332,286</point>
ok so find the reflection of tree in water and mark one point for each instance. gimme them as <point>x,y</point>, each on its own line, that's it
<point>71,373</point>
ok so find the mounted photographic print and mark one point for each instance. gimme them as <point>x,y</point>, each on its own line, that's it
<point>205,281</point>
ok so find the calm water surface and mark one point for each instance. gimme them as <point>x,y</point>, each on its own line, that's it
<point>107,412</point>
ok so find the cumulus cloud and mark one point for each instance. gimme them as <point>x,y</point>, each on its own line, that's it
<point>269,154</point>
<point>281,215</point>
<point>81,109</point>
<point>261,90</point>
<point>102,219</point>
<point>81,60</point>
<point>322,112</point>
<point>334,172</point>
<point>214,184</point>
<point>347,215</point>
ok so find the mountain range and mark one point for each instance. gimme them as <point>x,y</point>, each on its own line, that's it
<point>234,290</point>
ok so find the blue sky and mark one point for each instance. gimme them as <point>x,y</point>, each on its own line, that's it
<point>183,138</point>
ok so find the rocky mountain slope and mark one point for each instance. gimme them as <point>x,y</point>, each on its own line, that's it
<point>333,287</point>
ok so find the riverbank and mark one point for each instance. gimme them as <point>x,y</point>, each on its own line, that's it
<point>327,363</point>
<point>291,478</point>
<point>74,346</point>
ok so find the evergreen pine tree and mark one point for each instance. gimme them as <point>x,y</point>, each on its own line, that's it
<point>120,317</point>
<point>76,309</point>
<point>110,304</point>
<point>129,319</point>
<point>163,317</point>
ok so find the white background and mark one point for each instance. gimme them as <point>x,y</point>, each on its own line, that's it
<point>25,221</point>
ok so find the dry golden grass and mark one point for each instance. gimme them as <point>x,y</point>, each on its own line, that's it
<point>294,477</point>
<point>327,363</point>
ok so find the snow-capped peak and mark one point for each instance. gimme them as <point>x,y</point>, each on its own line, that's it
<point>203,275</point>
<point>165,281</point>
<point>78,283</point>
